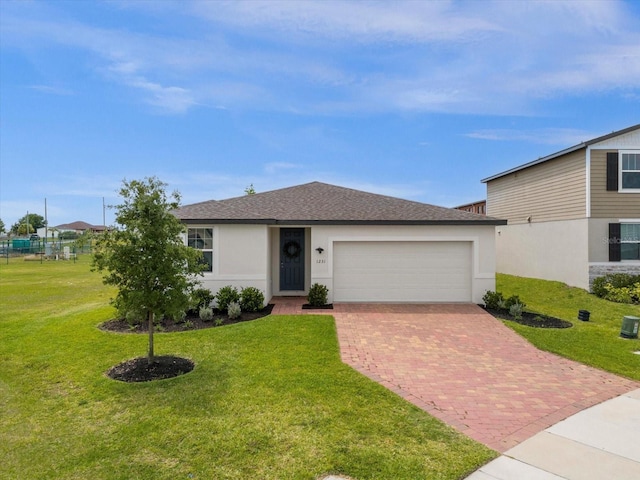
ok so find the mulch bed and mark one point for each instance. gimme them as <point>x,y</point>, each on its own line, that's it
<point>532,319</point>
<point>191,322</point>
<point>163,367</point>
<point>139,369</point>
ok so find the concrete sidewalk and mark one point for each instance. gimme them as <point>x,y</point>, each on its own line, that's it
<point>601,442</point>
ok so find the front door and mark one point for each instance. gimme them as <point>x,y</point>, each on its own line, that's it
<point>292,259</point>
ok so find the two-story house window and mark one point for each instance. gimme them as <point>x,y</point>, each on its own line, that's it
<point>202,239</point>
<point>630,241</point>
<point>630,171</point>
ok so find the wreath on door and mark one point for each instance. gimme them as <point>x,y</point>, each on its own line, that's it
<point>291,249</point>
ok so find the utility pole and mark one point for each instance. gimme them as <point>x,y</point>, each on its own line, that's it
<point>46,222</point>
<point>104,222</point>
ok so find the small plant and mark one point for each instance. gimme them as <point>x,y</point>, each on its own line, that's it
<point>515,310</point>
<point>205,314</point>
<point>617,294</point>
<point>188,324</point>
<point>513,300</point>
<point>218,321</point>
<point>317,295</point>
<point>234,310</point>
<point>179,317</point>
<point>134,318</point>
<point>615,280</point>
<point>226,296</point>
<point>251,299</point>
<point>201,297</point>
<point>493,300</point>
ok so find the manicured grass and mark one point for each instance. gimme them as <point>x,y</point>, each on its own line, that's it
<point>268,399</point>
<point>596,343</point>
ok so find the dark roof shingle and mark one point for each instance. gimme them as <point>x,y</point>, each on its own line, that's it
<point>321,203</point>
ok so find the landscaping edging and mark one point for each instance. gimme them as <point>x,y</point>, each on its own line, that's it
<point>190,322</point>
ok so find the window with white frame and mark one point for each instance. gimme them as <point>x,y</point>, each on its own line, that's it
<point>630,241</point>
<point>202,239</point>
<point>630,171</point>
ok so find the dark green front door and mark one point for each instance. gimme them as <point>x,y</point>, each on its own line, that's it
<point>292,259</point>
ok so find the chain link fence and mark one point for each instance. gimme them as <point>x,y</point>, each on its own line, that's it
<point>41,249</point>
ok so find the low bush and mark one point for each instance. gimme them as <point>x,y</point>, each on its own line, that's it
<point>205,314</point>
<point>234,311</point>
<point>493,300</point>
<point>513,300</point>
<point>201,298</point>
<point>615,280</point>
<point>227,295</point>
<point>515,310</point>
<point>629,294</point>
<point>317,295</point>
<point>251,299</point>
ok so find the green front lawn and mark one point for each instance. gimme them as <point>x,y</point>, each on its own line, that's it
<point>268,399</point>
<point>596,343</point>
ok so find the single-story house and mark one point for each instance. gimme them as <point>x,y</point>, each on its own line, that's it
<point>77,227</point>
<point>364,247</point>
<point>573,215</point>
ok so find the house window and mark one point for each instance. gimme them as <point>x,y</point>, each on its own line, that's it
<point>630,241</point>
<point>630,171</point>
<point>202,239</point>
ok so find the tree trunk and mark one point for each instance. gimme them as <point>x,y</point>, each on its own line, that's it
<point>150,358</point>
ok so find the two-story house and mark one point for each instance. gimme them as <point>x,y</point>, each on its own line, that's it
<point>573,215</point>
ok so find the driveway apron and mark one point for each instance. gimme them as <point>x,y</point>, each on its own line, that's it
<point>468,369</point>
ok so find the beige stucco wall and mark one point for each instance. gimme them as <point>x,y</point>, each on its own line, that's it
<point>548,250</point>
<point>249,255</point>
<point>482,238</point>
<point>553,190</point>
<point>240,258</point>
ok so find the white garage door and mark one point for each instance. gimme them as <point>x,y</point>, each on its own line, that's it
<point>402,271</point>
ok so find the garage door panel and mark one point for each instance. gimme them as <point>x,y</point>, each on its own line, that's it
<point>402,271</point>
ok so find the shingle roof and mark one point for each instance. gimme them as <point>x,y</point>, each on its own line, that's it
<point>321,203</point>
<point>77,225</point>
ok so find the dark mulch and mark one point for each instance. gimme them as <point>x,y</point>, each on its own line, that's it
<point>139,369</point>
<point>308,306</point>
<point>532,319</point>
<point>191,322</point>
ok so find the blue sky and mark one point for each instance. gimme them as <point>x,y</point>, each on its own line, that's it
<point>419,100</point>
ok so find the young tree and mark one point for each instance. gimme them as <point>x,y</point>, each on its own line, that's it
<point>1,227</point>
<point>30,223</point>
<point>146,258</point>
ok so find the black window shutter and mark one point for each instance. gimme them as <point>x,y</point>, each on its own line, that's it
<point>614,242</point>
<point>612,171</point>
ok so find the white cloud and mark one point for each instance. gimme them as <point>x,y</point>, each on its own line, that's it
<point>547,136</point>
<point>342,57</point>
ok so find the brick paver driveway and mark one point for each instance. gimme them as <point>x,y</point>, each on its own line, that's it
<point>466,368</point>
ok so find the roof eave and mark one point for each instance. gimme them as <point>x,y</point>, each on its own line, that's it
<point>240,221</point>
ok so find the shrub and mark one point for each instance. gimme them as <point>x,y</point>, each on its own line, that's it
<point>225,296</point>
<point>234,310</point>
<point>179,317</point>
<point>251,299</point>
<point>513,300</point>
<point>205,314</point>
<point>134,317</point>
<point>201,297</point>
<point>515,310</point>
<point>622,294</point>
<point>493,300</point>
<point>616,280</point>
<point>317,295</point>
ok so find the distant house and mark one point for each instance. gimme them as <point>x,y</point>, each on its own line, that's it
<point>77,227</point>
<point>364,247</point>
<point>479,207</point>
<point>573,215</point>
